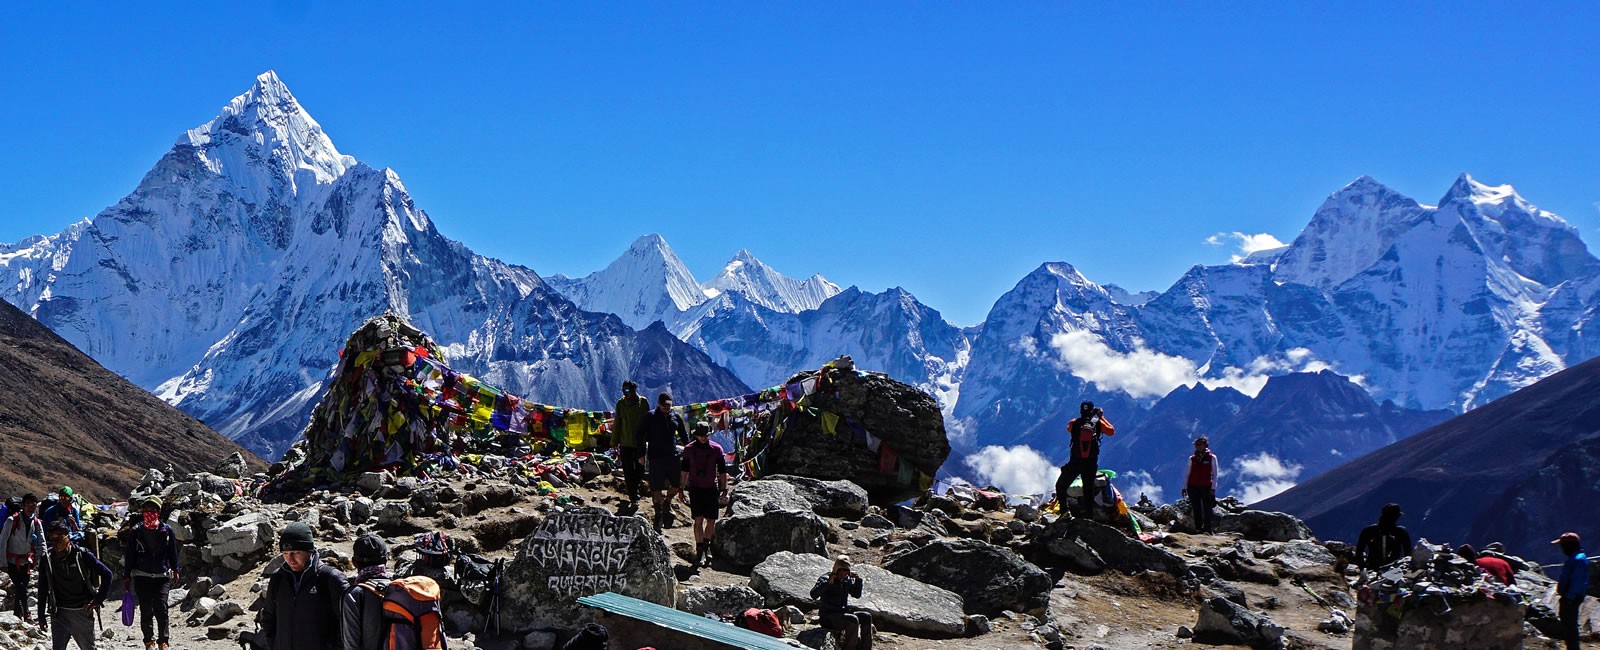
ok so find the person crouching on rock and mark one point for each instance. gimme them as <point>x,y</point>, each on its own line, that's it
<point>73,584</point>
<point>663,431</point>
<point>302,610</point>
<point>150,567</point>
<point>833,592</point>
<point>705,478</point>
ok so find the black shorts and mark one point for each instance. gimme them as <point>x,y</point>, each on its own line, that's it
<point>705,502</point>
<point>665,473</point>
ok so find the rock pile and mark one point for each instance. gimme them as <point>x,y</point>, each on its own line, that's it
<point>1436,600</point>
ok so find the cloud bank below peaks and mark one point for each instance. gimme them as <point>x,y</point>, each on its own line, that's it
<point>1143,373</point>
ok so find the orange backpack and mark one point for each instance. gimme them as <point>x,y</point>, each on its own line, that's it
<point>411,614</point>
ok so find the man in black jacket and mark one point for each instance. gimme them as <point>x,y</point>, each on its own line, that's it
<point>73,584</point>
<point>363,603</point>
<point>662,432</point>
<point>1384,542</point>
<point>302,610</point>
<point>833,592</point>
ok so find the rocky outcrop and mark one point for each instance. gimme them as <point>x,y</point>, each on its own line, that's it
<point>895,414</point>
<point>897,603</point>
<point>990,579</point>
<point>1070,538</point>
<point>829,498</point>
<point>1224,622</point>
<point>1484,624</point>
<point>1259,525</point>
<point>579,552</point>
<point>718,599</point>
<point>768,517</point>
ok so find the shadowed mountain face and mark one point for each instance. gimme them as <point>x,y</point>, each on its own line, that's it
<point>67,421</point>
<point>1522,470</point>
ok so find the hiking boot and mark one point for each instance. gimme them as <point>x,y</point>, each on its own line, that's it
<point>656,521</point>
<point>699,553</point>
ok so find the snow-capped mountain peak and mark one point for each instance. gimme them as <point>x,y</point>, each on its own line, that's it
<point>267,126</point>
<point>763,285</point>
<point>1354,226</point>
<point>647,283</point>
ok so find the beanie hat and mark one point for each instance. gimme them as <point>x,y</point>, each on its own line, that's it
<point>296,537</point>
<point>370,550</point>
<point>152,501</point>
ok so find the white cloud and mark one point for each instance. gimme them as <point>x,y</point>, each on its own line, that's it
<point>1247,243</point>
<point>1017,470</point>
<point>1136,483</point>
<point>1264,475</point>
<point>1143,372</point>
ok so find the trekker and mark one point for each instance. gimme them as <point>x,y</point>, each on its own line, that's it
<point>1497,568</point>
<point>705,478</point>
<point>631,411</point>
<point>23,538</point>
<point>150,568</point>
<point>1573,587</point>
<point>73,585</point>
<point>64,508</point>
<point>1085,431</point>
<point>1200,484</point>
<point>833,592</point>
<point>662,432</point>
<point>302,610</point>
<point>363,601</point>
<point>1384,542</point>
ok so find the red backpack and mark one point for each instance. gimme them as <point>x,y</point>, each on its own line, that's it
<point>760,620</point>
<point>411,615</point>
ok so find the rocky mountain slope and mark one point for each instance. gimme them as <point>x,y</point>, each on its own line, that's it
<point>68,421</point>
<point>1522,470</point>
<point>222,280</point>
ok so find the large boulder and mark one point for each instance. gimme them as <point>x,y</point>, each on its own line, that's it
<point>1224,622</point>
<point>829,498</point>
<point>897,603</point>
<point>580,552</point>
<point>1067,539</point>
<point>990,579</point>
<point>1259,525</point>
<point>1301,555</point>
<point>765,495</point>
<point>746,538</point>
<point>242,536</point>
<point>901,416</point>
<point>1469,623</point>
<point>718,599</point>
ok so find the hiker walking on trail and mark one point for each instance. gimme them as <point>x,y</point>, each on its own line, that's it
<point>23,538</point>
<point>1200,484</point>
<point>662,432</point>
<point>1384,542</point>
<point>64,508</point>
<point>150,568</point>
<point>1085,431</point>
<point>631,411</point>
<point>705,478</point>
<point>302,609</point>
<point>1573,587</point>
<point>73,585</point>
<point>833,593</point>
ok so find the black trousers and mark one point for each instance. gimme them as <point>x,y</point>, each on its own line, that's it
<point>19,589</point>
<point>1201,501</point>
<point>1083,468</point>
<point>1569,621</point>
<point>856,624</point>
<point>152,595</point>
<point>632,476</point>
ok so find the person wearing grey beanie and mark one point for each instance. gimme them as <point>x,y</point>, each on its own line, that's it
<point>303,596</point>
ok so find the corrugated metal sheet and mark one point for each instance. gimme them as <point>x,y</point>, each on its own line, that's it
<point>673,619</point>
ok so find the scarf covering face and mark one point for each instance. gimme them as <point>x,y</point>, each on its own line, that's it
<point>152,520</point>
<point>371,573</point>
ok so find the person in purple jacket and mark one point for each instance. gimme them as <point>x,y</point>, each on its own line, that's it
<point>705,475</point>
<point>150,568</point>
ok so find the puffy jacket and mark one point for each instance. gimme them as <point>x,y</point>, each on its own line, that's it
<point>302,610</point>
<point>149,551</point>
<point>833,596</point>
<point>363,618</point>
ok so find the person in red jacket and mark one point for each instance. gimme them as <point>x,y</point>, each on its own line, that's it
<point>1496,567</point>
<point>1085,431</point>
<point>705,475</point>
<point>1200,485</point>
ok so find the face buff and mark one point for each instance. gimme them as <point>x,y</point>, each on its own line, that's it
<point>152,520</point>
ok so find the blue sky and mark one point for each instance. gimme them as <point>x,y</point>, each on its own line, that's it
<point>949,148</point>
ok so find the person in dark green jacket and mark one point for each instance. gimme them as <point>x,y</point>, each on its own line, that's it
<point>630,414</point>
